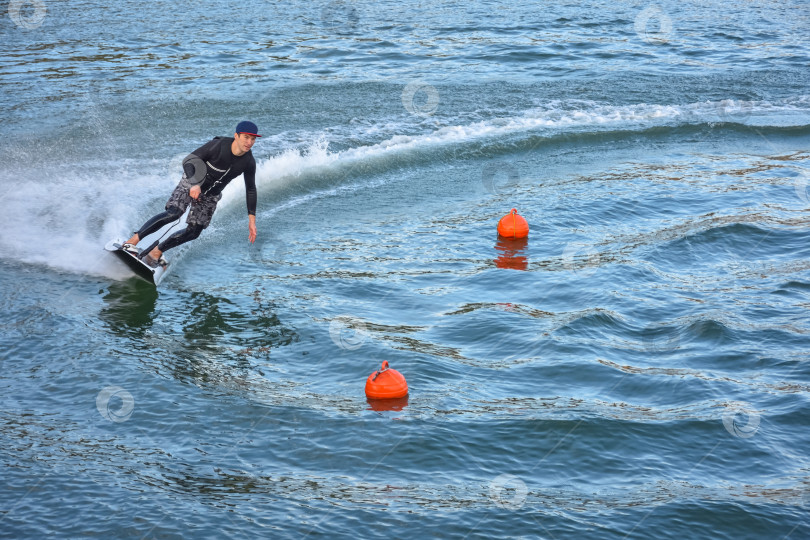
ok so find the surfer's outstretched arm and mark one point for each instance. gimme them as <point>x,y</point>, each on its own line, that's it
<point>250,199</point>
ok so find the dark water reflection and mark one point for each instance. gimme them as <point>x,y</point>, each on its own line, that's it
<point>129,307</point>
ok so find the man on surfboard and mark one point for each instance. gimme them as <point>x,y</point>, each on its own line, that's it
<point>206,172</point>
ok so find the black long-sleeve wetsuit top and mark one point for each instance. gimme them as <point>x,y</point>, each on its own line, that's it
<point>221,166</point>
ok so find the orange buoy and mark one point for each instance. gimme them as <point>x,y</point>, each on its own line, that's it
<point>513,226</point>
<point>386,383</point>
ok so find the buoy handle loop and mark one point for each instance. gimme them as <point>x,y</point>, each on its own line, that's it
<point>383,369</point>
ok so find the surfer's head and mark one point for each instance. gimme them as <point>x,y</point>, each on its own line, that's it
<point>245,137</point>
<point>248,128</point>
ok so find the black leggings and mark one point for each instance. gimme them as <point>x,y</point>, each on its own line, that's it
<point>180,237</point>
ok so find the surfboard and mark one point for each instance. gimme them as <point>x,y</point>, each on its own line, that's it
<point>138,267</point>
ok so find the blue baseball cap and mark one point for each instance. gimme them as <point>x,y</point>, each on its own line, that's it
<point>247,127</point>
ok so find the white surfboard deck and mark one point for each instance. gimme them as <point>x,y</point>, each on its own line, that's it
<point>138,267</point>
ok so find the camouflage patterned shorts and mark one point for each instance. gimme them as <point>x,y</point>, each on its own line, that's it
<point>202,210</point>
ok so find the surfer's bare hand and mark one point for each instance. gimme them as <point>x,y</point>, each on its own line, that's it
<point>252,229</point>
<point>194,192</point>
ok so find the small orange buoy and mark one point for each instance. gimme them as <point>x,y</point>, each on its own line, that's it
<point>513,226</point>
<point>386,383</point>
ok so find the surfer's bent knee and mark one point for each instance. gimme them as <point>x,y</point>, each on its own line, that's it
<point>194,231</point>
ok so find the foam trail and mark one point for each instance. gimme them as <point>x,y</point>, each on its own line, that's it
<point>62,219</point>
<point>552,118</point>
<point>61,214</point>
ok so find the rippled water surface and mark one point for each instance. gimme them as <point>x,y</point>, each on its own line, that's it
<point>636,368</point>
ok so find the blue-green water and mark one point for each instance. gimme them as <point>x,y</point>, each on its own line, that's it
<point>638,368</point>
